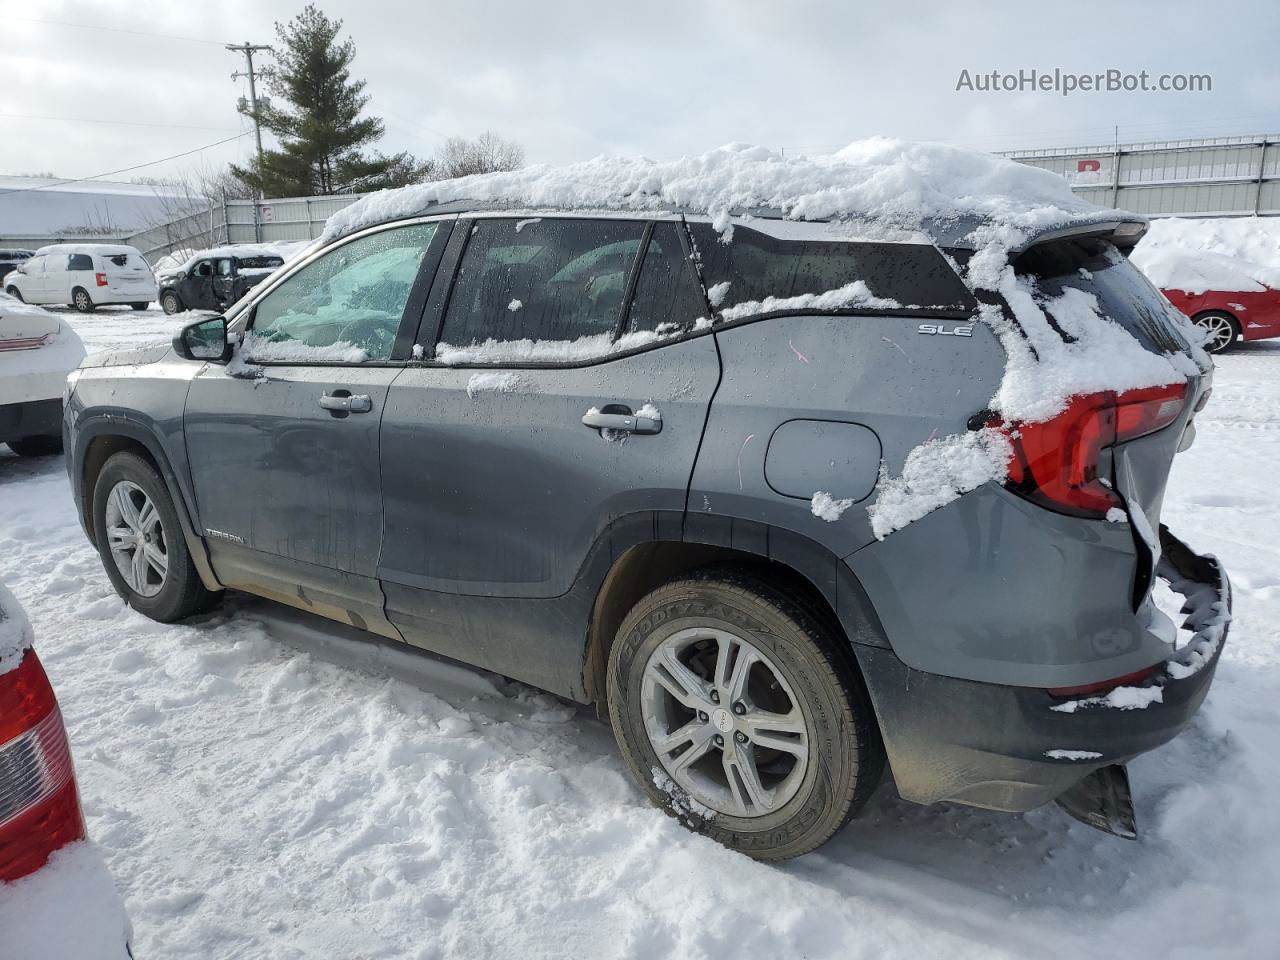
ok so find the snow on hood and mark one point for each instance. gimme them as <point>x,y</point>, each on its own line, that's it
<point>1240,254</point>
<point>15,631</point>
<point>901,182</point>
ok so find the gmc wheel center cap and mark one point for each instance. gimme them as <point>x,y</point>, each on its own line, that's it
<point>723,720</point>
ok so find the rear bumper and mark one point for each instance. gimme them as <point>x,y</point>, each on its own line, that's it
<point>1016,748</point>
<point>34,418</point>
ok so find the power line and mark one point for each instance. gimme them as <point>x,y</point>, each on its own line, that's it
<point>123,123</point>
<point>93,26</point>
<point>112,173</point>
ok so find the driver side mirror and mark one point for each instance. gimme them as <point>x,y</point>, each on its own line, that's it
<point>204,340</point>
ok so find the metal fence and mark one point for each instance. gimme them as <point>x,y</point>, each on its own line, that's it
<point>1216,177</point>
<point>241,221</point>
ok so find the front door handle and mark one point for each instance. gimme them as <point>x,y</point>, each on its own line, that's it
<point>358,403</point>
<point>621,422</point>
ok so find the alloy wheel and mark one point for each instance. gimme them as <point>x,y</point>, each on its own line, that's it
<point>136,538</point>
<point>1221,333</point>
<point>724,723</point>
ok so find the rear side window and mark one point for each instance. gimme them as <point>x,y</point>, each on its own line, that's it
<point>547,279</point>
<point>80,261</point>
<point>1124,293</point>
<point>667,294</point>
<point>754,266</point>
<point>259,263</point>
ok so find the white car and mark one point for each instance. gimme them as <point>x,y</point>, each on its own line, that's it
<point>85,276</point>
<point>37,351</point>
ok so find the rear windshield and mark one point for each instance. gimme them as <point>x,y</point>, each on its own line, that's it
<point>756,266</point>
<point>1124,293</point>
<point>257,263</point>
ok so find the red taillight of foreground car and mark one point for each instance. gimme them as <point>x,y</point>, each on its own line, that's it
<point>39,802</point>
<point>1055,463</point>
<point>100,279</point>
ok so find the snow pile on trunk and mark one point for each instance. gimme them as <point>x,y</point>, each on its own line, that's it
<point>15,631</point>
<point>881,179</point>
<point>1229,253</point>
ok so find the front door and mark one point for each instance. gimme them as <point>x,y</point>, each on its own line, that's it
<point>494,485</point>
<point>283,442</point>
<point>196,289</point>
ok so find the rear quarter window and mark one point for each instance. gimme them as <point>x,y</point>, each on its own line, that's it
<point>753,266</point>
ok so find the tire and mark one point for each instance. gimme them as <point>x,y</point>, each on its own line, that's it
<point>177,592</point>
<point>140,306</point>
<point>36,446</point>
<point>15,293</point>
<point>81,300</point>
<point>832,756</point>
<point>170,303</point>
<point>1221,326</point>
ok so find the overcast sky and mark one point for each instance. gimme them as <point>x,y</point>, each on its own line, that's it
<point>570,79</point>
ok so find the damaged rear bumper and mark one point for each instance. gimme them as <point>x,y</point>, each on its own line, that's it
<point>1017,748</point>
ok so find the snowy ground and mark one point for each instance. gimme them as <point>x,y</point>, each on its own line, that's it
<point>268,785</point>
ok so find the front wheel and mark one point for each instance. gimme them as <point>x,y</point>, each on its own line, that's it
<point>739,711</point>
<point>140,541</point>
<point>1221,328</point>
<point>81,300</point>
<point>171,304</point>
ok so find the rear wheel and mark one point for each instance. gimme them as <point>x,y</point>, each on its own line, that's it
<point>1222,329</point>
<point>141,544</point>
<point>81,300</point>
<point>170,303</point>
<point>140,306</point>
<point>740,712</point>
<point>36,446</point>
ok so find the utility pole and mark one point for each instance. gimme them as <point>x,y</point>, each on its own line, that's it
<point>249,49</point>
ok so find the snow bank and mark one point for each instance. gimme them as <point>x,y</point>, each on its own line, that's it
<point>67,910</point>
<point>884,179</point>
<point>1226,253</point>
<point>15,634</point>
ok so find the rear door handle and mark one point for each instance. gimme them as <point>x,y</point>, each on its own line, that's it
<point>358,403</point>
<point>622,422</point>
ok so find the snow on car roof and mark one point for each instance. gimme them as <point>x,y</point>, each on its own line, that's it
<point>101,249</point>
<point>943,190</point>
<point>1239,254</point>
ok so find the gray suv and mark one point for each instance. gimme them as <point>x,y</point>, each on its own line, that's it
<point>628,460</point>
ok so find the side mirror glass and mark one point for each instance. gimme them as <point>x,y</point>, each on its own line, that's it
<point>205,340</point>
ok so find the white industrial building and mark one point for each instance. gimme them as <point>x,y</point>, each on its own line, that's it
<point>35,211</point>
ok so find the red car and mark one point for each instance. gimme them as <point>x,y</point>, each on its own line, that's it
<point>1231,315</point>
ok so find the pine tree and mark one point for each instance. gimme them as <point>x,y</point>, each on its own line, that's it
<point>322,135</point>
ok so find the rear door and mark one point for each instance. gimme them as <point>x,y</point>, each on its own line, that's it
<point>283,442</point>
<point>493,484</point>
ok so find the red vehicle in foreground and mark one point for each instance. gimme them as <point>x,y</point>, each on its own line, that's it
<point>1231,315</point>
<point>56,896</point>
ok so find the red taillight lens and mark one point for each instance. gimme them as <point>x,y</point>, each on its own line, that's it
<point>101,279</point>
<point>39,804</point>
<point>25,343</point>
<point>1056,462</point>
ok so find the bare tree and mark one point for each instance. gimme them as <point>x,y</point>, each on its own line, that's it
<point>487,153</point>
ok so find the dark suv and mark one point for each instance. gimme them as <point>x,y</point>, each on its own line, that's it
<point>628,460</point>
<point>214,280</point>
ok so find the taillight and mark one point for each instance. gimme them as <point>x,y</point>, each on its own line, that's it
<point>39,803</point>
<point>25,343</point>
<point>1055,463</point>
<point>101,279</point>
